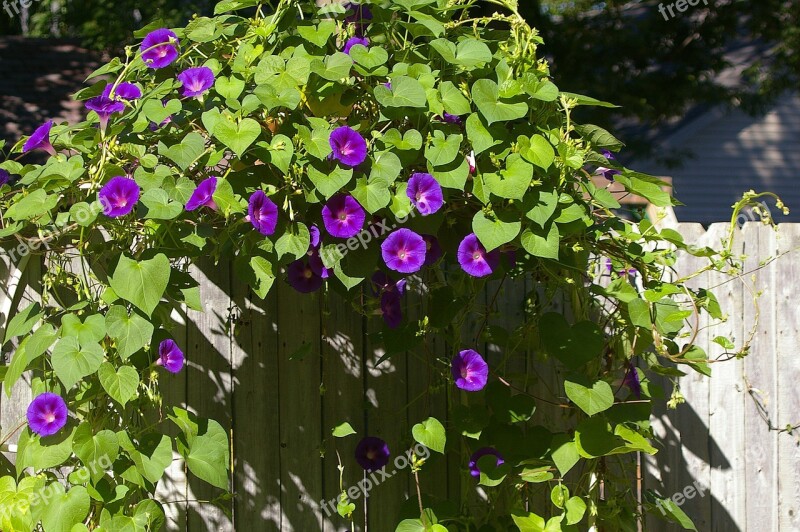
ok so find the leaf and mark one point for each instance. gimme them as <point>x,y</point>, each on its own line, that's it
<point>369,58</point>
<point>262,269</point>
<point>372,195</point>
<point>485,94</point>
<point>318,35</point>
<point>237,137</point>
<point>580,99</point>
<point>151,455</point>
<point>228,87</point>
<point>142,283</point>
<point>281,152</point>
<point>28,351</point>
<point>478,134</point>
<point>44,453</point>
<point>540,152</point>
<point>207,455</point>
<point>329,184</point>
<point>469,53</point>
<point>294,241</point>
<point>186,152</point>
<point>95,450</point>
<point>131,332</point>
<point>386,167</point>
<point>345,429</point>
<point>334,67</point>
<point>443,150</point>
<point>72,362</point>
<point>64,510</point>
<point>646,186</point>
<point>431,434</point>
<point>405,92</point>
<point>452,176</point>
<point>541,242</point>
<point>512,182</point>
<point>89,332</point>
<point>32,205</point>
<point>453,100</point>
<point>23,321</point>
<point>156,111</point>
<point>575,510</point>
<point>639,311</point>
<point>316,142</point>
<point>411,140</point>
<point>121,384</point>
<point>599,137</point>
<point>565,456</point>
<point>494,232</point>
<point>591,398</point>
<point>573,346</point>
<point>157,205</point>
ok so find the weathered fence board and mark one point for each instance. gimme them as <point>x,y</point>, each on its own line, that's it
<point>280,374</point>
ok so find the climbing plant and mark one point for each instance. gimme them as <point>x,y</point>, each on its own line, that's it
<point>402,153</point>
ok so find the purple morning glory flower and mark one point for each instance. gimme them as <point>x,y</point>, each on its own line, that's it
<point>40,139</point>
<point>316,264</point>
<point>302,278</point>
<point>104,107</point>
<point>343,216</point>
<point>433,251</point>
<point>316,236</point>
<point>159,48</point>
<point>451,119</point>
<point>403,251</point>
<point>470,370</point>
<point>5,177</point>
<point>196,81</point>
<point>203,195</point>
<point>119,196</point>
<point>360,13</point>
<point>388,85</point>
<point>372,453</point>
<point>263,213</point>
<point>425,193</point>
<point>352,41</point>
<point>124,91</point>
<point>381,282</point>
<point>47,414</point>
<point>170,356</point>
<point>632,381</point>
<point>608,173</point>
<point>608,155</point>
<point>474,259</point>
<point>349,147</point>
<point>480,453</point>
<point>391,309</point>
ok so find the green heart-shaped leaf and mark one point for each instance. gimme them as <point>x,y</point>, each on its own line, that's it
<point>142,283</point>
<point>369,58</point>
<point>592,398</point>
<point>186,152</point>
<point>329,183</point>
<point>405,92</point>
<point>237,137</point>
<point>229,87</point>
<point>72,362</point>
<point>131,332</point>
<point>158,206</point>
<point>120,384</point>
<point>64,509</point>
<point>431,434</point>
<point>494,232</point>
<point>485,94</point>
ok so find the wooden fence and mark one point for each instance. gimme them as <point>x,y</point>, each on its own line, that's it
<point>280,373</point>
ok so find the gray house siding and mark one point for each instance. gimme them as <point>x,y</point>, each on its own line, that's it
<point>731,152</point>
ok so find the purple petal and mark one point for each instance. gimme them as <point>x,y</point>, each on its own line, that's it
<point>352,41</point>
<point>203,195</point>
<point>302,278</point>
<point>433,251</point>
<point>170,356</point>
<point>392,309</point>
<point>47,414</point>
<point>343,216</point>
<point>119,196</point>
<point>196,81</point>
<point>425,193</point>
<point>372,453</point>
<point>404,251</point>
<point>474,259</point>
<point>480,453</point>
<point>159,48</point>
<point>470,370</point>
<point>40,139</point>
<point>263,213</point>
<point>124,91</point>
<point>349,147</point>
